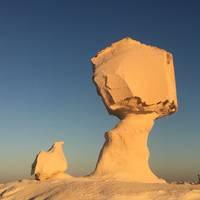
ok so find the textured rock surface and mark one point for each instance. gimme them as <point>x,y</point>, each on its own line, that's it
<point>51,164</point>
<point>137,84</point>
<point>135,78</point>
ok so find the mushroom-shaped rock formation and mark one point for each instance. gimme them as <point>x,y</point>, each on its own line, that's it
<point>51,164</point>
<point>137,84</point>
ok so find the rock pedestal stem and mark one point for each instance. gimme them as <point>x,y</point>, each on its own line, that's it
<point>125,153</point>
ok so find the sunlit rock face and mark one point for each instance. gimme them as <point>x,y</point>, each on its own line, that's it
<point>137,84</point>
<point>51,164</point>
<point>135,78</point>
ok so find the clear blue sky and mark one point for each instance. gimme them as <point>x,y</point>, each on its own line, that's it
<point>46,91</point>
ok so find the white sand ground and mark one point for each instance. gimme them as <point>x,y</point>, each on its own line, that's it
<point>95,189</point>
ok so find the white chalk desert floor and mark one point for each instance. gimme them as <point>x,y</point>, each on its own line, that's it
<point>95,189</point>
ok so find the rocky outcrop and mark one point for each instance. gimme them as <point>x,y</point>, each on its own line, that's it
<point>137,84</point>
<point>51,164</point>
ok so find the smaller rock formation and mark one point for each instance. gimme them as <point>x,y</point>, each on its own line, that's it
<point>51,164</point>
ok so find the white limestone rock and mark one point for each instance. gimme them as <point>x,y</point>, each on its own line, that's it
<point>51,164</point>
<point>137,84</point>
<point>135,78</point>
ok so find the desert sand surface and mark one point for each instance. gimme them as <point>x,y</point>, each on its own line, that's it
<point>86,188</point>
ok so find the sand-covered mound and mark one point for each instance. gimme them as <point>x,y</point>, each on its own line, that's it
<point>95,189</point>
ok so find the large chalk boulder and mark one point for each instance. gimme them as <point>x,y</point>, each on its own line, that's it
<point>51,164</point>
<point>135,78</point>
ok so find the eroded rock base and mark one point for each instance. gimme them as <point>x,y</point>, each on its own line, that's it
<point>125,152</point>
